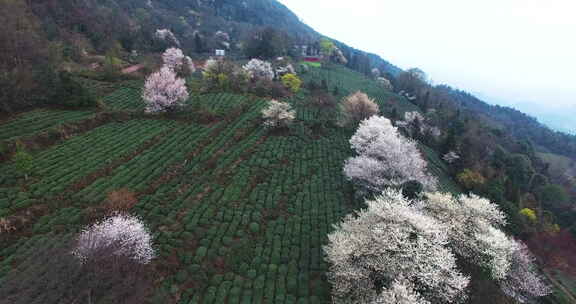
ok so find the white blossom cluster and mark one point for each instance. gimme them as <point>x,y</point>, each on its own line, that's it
<point>385,158</point>
<point>164,91</point>
<point>481,241</point>
<point>389,240</point>
<point>451,157</point>
<point>376,72</point>
<point>283,70</point>
<point>174,58</point>
<point>385,83</point>
<point>402,251</point>
<point>278,114</point>
<point>210,65</point>
<point>414,123</point>
<point>523,282</point>
<point>400,292</point>
<point>259,69</point>
<point>166,35</point>
<point>222,36</point>
<point>124,234</point>
<point>408,96</point>
<point>339,56</point>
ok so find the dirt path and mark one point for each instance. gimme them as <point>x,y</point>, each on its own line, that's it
<point>132,69</point>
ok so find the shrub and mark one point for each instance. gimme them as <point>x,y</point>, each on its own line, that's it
<point>357,107</point>
<point>164,91</point>
<point>69,92</point>
<point>292,82</point>
<point>278,114</point>
<point>529,214</point>
<point>470,179</point>
<point>23,161</point>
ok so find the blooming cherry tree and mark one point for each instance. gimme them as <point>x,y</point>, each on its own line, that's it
<point>278,114</point>
<point>389,251</point>
<point>166,35</point>
<point>385,83</point>
<point>414,123</point>
<point>472,224</point>
<point>385,158</point>
<point>164,91</point>
<point>173,58</point>
<point>523,282</point>
<point>259,69</point>
<point>119,235</point>
<point>451,157</point>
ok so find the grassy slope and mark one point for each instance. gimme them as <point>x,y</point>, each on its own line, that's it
<point>238,214</point>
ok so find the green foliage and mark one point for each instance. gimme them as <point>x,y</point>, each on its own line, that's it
<point>470,179</point>
<point>71,93</point>
<point>529,214</point>
<point>23,161</point>
<point>327,46</point>
<point>292,82</point>
<point>412,189</point>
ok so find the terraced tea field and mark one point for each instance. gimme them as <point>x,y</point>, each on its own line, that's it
<point>239,214</point>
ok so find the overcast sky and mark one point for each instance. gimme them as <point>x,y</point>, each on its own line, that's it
<point>514,52</point>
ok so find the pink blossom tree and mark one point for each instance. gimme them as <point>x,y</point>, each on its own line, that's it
<point>173,58</point>
<point>164,91</point>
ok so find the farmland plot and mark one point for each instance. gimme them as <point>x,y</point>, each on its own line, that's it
<point>39,120</point>
<point>239,213</point>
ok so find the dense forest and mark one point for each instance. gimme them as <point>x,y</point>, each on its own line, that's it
<point>288,131</point>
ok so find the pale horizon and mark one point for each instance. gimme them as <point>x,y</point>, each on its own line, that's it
<point>517,53</point>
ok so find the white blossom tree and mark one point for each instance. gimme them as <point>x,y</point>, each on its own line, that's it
<point>164,91</point>
<point>451,157</point>
<point>120,235</point>
<point>523,283</point>
<point>385,83</point>
<point>189,63</point>
<point>416,124</point>
<point>385,158</point>
<point>278,114</point>
<point>259,69</point>
<point>391,239</point>
<point>167,36</point>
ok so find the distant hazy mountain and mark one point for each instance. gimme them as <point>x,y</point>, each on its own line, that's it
<point>557,117</point>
